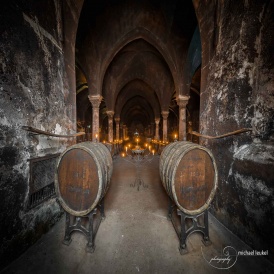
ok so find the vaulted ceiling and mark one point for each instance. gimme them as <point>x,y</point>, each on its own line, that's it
<point>133,53</point>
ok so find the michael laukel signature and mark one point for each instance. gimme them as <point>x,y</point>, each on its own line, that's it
<point>225,260</point>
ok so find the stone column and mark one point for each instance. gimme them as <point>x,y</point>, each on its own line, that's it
<point>157,121</point>
<point>152,129</point>
<point>95,101</point>
<point>117,122</point>
<point>121,132</point>
<point>165,115</point>
<point>110,114</point>
<point>124,131</point>
<point>182,102</point>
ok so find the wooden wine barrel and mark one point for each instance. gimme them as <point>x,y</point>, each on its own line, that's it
<point>110,148</point>
<point>82,177</point>
<point>189,175</point>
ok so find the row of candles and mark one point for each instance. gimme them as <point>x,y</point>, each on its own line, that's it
<point>149,147</point>
<point>115,142</point>
<point>155,141</point>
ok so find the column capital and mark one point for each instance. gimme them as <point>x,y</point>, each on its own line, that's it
<point>110,113</point>
<point>165,114</point>
<point>95,100</point>
<point>117,120</point>
<point>182,100</point>
<point>157,121</point>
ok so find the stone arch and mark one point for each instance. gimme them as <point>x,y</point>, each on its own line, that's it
<point>139,33</point>
<point>136,92</point>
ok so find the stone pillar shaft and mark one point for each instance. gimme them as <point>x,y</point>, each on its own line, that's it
<point>152,129</point>
<point>157,121</point>
<point>182,102</point>
<point>95,101</point>
<point>165,115</point>
<point>110,114</point>
<point>117,122</point>
<point>124,131</point>
<point>121,132</point>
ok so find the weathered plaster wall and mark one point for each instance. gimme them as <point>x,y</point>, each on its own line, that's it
<point>237,91</point>
<point>35,91</point>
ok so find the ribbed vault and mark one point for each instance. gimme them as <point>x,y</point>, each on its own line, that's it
<point>133,55</point>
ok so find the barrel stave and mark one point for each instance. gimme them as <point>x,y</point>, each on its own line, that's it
<point>82,177</point>
<point>189,175</point>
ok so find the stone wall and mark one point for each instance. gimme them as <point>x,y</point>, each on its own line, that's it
<point>237,92</point>
<point>35,92</point>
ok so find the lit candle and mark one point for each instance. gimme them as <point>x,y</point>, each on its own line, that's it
<point>126,148</point>
<point>96,136</point>
<point>123,154</point>
<point>175,136</point>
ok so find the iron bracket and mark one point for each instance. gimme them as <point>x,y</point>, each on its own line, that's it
<point>184,232</point>
<point>75,223</point>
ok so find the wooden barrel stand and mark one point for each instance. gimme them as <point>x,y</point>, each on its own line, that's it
<point>82,179</point>
<point>189,175</point>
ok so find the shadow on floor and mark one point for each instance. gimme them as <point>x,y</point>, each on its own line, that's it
<point>135,237</point>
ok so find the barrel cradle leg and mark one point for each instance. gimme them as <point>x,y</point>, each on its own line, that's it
<point>102,209</point>
<point>77,226</point>
<point>183,234</point>
<point>170,209</point>
<point>67,238</point>
<point>90,235</point>
<point>206,241</point>
<point>194,228</point>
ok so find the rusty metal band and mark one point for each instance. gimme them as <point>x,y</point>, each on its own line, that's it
<point>93,149</point>
<point>190,146</point>
<point>242,130</point>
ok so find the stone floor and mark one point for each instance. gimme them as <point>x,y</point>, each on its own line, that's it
<point>136,237</point>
